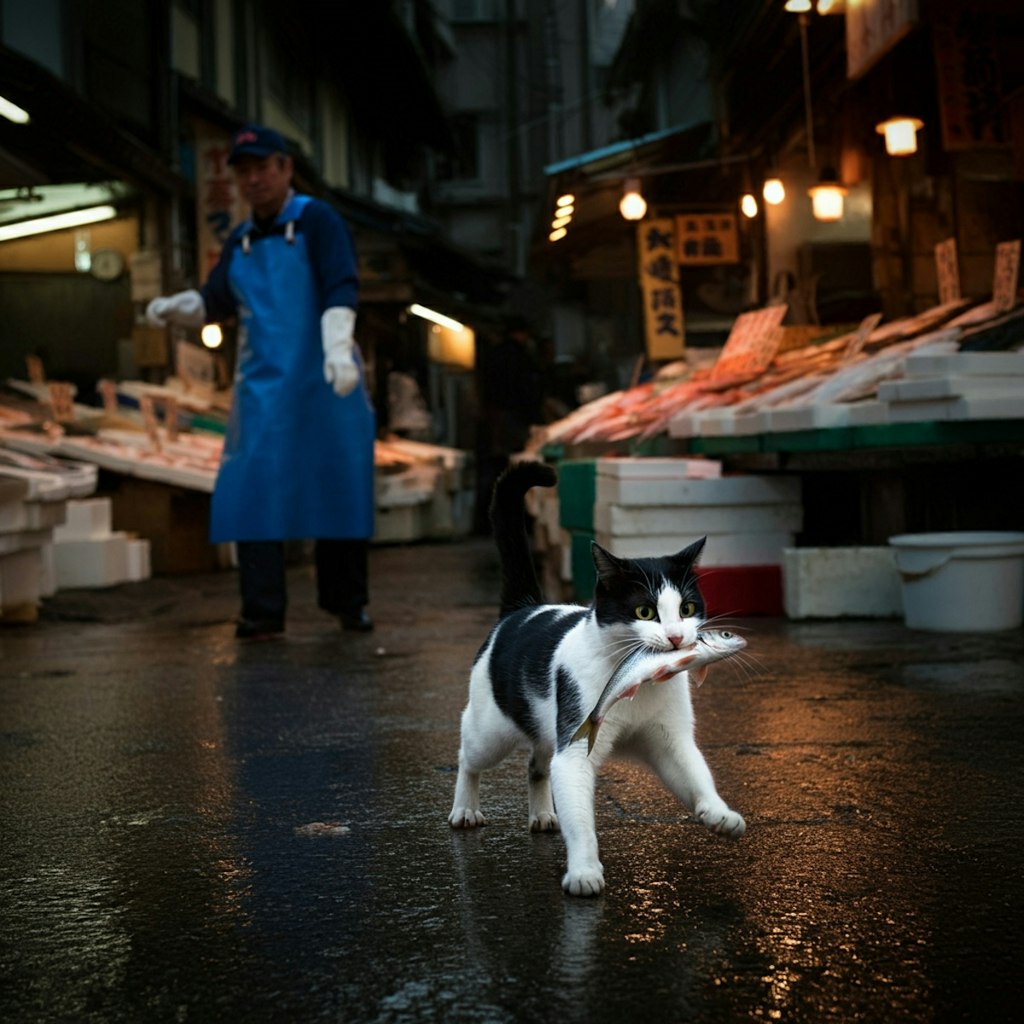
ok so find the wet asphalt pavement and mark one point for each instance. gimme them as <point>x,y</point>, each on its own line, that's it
<point>195,829</point>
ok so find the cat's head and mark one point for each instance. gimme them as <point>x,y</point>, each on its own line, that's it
<point>657,599</point>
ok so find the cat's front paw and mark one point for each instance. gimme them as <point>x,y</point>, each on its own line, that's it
<point>466,817</point>
<point>588,882</point>
<point>721,820</point>
<point>544,822</point>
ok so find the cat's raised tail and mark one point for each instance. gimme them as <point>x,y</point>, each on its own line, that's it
<point>519,584</point>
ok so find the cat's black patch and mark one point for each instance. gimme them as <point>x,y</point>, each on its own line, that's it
<point>521,657</point>
<point>570,707</point>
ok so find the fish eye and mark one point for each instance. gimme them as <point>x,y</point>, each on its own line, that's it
<point>689,609</point>
<point>644,612</point>
<point>725,634</point>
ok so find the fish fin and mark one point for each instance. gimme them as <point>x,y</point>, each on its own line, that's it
<point>699,674</point>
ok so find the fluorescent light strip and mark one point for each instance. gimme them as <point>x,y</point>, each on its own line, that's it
<point>438,318</point>
<point>13,112</point>
<point>57,221</point>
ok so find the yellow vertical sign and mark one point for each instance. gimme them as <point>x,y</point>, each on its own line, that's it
<point>659,283</point>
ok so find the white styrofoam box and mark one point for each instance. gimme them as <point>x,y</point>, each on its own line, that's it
<point>87,519</point>
<point>868,413</point>
<point>921,388</point>
<point>31,515</point>
<point>921,412</point>
<point>988,407</point>
<point>721,549</point>
<point>923,364</point>
<point>726,490</point>
<point>641,468</point>
<point>138,559</point>
<point>102,562</point>
<point>12,504</point>
<point>10,542</point>
<point>41,486</point>
<point>826,583</point>
<point>633,521</point>
<point>21,576</point>
<point>726,422</point>
<point>398,523</point>
<point>48,583</point>
<point>683,424</point>
<point>807,417</point>
<point>414,485</point>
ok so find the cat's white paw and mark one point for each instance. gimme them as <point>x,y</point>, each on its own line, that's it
<point>466,817</point>
<point>588,882</point>
<point>721,820</point>
<point>544,822</point>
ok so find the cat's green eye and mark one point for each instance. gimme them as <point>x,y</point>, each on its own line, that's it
<point>689,609</point>
<point>645,612</point>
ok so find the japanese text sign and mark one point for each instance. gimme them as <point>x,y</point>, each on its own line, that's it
<point>659,282</point>
<point>705,239</point>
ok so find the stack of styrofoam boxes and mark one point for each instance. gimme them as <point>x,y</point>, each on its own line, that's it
<point>829,583</point>
<point>957,386</point>
<point>450,509</point>
<point>656,507</point>
<point>26,527</point>
<point>401,498</point>
<point>87,553</point>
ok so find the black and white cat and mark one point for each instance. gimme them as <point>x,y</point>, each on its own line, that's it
<point>543,668</point>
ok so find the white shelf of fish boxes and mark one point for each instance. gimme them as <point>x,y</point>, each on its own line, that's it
<point>659,506</point>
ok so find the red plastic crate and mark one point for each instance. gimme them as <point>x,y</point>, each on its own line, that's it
<point>742,589</point>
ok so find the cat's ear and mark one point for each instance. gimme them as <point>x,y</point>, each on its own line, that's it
<point>607,565</point>
<point>690,554</point>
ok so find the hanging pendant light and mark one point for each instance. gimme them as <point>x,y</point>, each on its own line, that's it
<point>774,191</point>
<point>748,205</point>
<point>632,205</point>
<point>900,135</point>
<point>827,197</point>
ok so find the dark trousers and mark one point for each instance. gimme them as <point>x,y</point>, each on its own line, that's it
<point>342,577</point>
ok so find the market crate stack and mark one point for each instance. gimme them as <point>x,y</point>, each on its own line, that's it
<point>87,552</point>
<point>659,506</point>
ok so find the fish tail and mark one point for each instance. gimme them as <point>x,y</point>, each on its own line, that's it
<point>584,730</point>
<point>519,584</point>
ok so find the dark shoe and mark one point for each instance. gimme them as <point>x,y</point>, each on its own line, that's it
<point>358,622</point>
<point>258,629</point>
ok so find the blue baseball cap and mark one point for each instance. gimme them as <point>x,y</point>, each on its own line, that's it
<point>255,140</point>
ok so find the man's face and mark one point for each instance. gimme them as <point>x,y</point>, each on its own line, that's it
<point>264,182</point>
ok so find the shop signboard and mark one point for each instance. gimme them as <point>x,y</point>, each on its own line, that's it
<point>707,239</point>
<point>1004,285</point>
<point>751,345</point>
<point>873,27</point>
<point>218,204</point>
<point>968,81</point>
<point>948,271</point>
<point>659,283</point>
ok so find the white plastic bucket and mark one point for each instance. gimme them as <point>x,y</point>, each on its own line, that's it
<point>961,582</point>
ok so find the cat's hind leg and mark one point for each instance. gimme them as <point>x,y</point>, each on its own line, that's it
<point>483,745</point>
<point>542,808</point>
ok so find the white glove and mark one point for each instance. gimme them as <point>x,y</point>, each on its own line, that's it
<point>340,369</point>
<point>185,308</point>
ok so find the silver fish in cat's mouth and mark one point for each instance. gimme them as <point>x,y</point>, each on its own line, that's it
<point>646,666</point>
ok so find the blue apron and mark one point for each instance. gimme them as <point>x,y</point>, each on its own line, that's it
<point>298,459</point>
